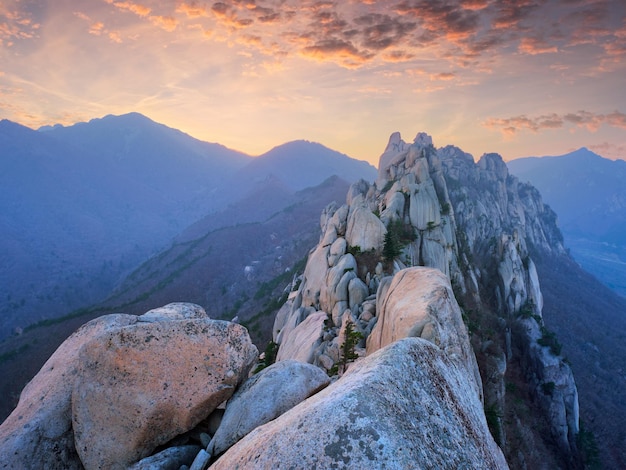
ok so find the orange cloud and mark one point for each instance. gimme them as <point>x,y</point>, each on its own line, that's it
<point>342,51</point>
<point>534,46</point>
<point>135,8</point>
<point>192,9</point>
<point>167,23</point>
<point>115,36</point>
<point>609,150</point>
<point>227,15</point>
<point>443,76</point>
<point>96,28</point>
<point>16,25</point>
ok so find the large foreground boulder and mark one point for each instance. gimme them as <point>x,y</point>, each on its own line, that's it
<point>405,406</point>
<point>141,385</point>
<point>38,434</point>
<point>266,396</point>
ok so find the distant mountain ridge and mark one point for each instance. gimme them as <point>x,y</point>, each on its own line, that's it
<point>588,193</point>
<point>81,206</point>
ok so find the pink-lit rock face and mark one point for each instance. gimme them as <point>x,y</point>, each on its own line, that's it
<point>141,385</point>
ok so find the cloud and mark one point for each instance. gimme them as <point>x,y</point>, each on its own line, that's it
<point>114,36</point>
<point>510,14</point>
<point>398,56</point>
<point>382,31</point>
<point>192,9</point>
<point>534,46</point>
<point>609,150</point>
<point>15,25</point>
<point>343,51</point>
<point>137,9</point>
<point>227,15</point>
<point>168,23</point>
<point>591,121</point>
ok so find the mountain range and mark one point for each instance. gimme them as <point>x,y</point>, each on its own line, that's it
<point>588,193</point>
<point>245,255</point>
<point>82,206</point>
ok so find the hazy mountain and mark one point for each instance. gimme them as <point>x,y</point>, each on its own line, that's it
<point>299,164</point>
<point>81,206</point>
<point>271,230</point>
<point>588,193</point>
<point>302,164</point>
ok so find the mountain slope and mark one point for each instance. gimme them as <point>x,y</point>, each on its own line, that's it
<point>207,265</point>
<point>589,195</point>
<point>590,321</point>
<point>155,157</point>
<point>81,205</point>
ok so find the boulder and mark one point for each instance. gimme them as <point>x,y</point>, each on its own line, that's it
<point>293,319</point>
<point>337,250</point>
<point>264,397</point>
<point>405,406</point>
<point>357,293</point>
<point>335,285</point>
<point>314,273</point>
<point>171,458</point>
<point>140,385</point>
<point>301,342</point>
<point>365,230</point>
<point>174,311</point>
<point>40,428</point>
<point>419,302</point>
<point>394,202</point>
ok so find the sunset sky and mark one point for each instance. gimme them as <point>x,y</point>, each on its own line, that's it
<point>520,78</point>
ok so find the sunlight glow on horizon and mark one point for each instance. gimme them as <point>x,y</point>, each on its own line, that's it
<point>483,75</point>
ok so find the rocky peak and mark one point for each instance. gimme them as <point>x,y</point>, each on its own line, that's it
<point>475,224</point>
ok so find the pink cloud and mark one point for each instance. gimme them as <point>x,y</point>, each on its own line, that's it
<point>585,119</point>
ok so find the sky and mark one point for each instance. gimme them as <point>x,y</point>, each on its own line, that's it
<point>516,77</point>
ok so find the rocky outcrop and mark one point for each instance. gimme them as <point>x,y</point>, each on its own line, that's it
<point>123,385</point>
<point>474,223</point>
<point>264,397</point>
<point>405,406</point>
<point>419,302</point>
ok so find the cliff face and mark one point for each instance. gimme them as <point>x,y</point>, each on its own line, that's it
<point>478,226</point>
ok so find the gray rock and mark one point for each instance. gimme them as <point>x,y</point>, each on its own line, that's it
<point>264,397</point>
<point>357,293</point>
<point>171,458</point>
<point>405,406</point>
